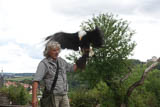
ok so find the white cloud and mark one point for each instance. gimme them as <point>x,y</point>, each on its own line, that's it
<point>25,23</point>
<point>147,36</point>
<point>15,59</point>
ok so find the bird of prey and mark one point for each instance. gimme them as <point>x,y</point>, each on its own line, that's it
<point>82,39</point>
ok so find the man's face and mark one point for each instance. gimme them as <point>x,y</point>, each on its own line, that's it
<point>53,53</point>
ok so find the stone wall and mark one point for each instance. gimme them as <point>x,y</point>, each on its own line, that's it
<point>4,99</point>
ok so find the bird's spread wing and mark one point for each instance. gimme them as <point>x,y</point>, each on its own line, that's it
<point>67,40</point>
<point>72,40</point>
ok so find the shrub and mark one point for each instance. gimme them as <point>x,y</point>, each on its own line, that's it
<point>101,94</point>
<point>17,94</point>
<point>83,98</point>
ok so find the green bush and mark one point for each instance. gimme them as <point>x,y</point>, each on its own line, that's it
<point>153,84</point>
<point>17,94</point>
<point>142,98</point>
<point>101,94</point>
<point>4,90</point>
<point>83,98</point>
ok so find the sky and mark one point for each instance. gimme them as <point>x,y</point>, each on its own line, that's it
<point>25,23</point>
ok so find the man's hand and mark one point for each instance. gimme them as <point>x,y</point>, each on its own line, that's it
<point>81,62</point>
<point>34,94</point>
<point>34,102</point>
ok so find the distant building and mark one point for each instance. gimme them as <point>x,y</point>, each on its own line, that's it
<point>1,81</point>
<point>153,59</point>
<point>8,83</point>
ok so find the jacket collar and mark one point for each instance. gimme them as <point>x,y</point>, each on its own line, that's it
<point>52,61</point>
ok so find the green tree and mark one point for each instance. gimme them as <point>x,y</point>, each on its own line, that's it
<point>23,96</point>
<point>109,63</point>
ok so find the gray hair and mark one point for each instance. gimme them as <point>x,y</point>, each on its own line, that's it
<point>50,45</point>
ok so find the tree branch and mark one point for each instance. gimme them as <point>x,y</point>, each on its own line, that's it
<point>127,75</point>
<point>141,81</point>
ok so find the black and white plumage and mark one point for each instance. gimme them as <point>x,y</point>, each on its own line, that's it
<point>82,39</point>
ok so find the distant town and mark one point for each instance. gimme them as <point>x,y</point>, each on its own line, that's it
<point>24,79</point>
<point>16,80</point>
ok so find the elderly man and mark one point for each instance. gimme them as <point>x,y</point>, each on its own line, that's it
<point>46,71</point>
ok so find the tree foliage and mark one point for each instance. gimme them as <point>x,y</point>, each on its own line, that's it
<point>109,62</point>
<point>146,95</point>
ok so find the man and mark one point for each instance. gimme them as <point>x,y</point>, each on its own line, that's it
<point>46,71</point>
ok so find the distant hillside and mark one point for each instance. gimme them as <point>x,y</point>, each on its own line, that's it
<point>24,74</point>
<point>17,74</point>
<point>20,78</point>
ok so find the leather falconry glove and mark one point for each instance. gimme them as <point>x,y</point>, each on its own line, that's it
<point>81,62</point>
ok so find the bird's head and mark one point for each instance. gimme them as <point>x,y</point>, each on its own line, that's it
<point>81,34</point>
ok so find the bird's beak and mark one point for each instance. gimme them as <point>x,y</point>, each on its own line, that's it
<point>81,34</point>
